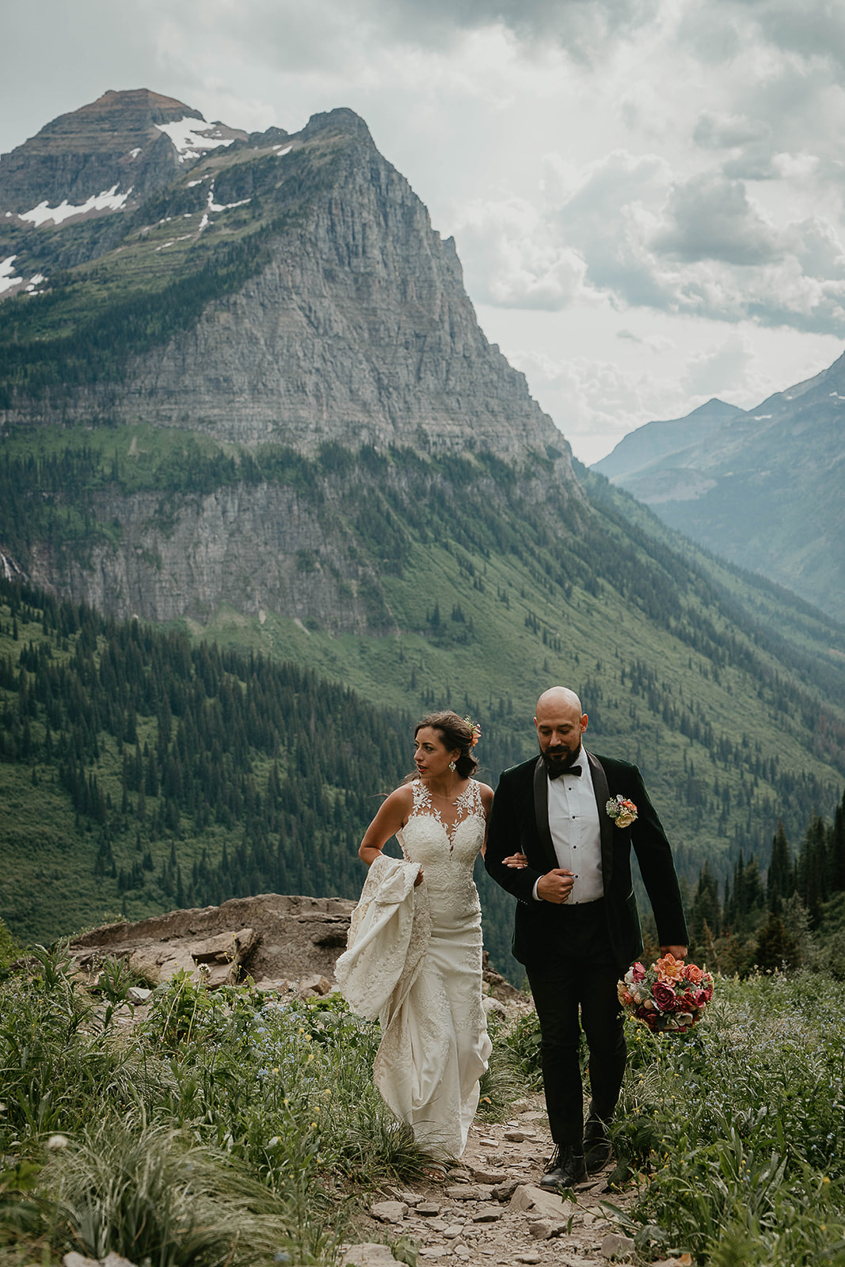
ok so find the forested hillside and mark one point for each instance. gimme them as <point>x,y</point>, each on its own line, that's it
<point>140,773</point>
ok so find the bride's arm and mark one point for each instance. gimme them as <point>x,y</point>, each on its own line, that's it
<point>487,802</point>
<point>391,817</point>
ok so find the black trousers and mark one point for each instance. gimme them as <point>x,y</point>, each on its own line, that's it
<point>579,975</point>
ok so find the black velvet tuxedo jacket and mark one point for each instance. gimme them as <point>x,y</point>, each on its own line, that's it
<point>519,823</point>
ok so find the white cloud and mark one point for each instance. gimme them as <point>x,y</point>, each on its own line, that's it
<point>596,402</point>
<point>719,371</point>
<point>728,131</point>
<point>511,259</point>
<point>711,218</point>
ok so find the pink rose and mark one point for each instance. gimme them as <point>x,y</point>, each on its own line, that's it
<point>693,973</point>
<point>638,972</point>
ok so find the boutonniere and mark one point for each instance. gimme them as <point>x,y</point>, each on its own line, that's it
<point>622,812</point>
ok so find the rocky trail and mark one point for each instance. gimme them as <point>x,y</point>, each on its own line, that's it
<point>490,1210</point>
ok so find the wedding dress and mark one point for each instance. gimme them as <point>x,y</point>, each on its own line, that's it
<point>414,959</point>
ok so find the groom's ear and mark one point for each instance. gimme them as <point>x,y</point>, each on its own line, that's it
<point>584,721</point>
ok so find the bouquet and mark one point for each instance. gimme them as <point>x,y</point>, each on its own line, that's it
<point>671,995</point>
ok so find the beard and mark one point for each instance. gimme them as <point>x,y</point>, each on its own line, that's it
<point>560,758</point>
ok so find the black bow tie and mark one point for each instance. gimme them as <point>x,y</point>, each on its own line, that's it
<point>573,769</point>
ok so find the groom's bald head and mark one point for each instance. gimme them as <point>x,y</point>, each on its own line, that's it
<point>560,723</point>
<point>556,698</point>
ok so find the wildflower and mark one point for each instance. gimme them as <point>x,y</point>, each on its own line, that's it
<point>57,1142</point>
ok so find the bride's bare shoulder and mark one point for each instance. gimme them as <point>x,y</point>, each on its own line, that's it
<point>486,794</point>
<point>400,798</point>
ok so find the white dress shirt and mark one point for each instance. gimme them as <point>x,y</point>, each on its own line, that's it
<point>575,831</point>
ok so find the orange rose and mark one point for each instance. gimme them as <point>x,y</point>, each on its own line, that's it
<point>670,968</point>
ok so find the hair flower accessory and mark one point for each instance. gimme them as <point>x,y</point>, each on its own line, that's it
<point>476,731</point>
<point>622,812</point>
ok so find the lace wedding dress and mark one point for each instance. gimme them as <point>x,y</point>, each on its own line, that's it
<point>434,1042</point>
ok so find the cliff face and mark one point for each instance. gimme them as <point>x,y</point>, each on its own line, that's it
<point>241,545</point>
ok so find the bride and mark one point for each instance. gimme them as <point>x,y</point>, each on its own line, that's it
<point>414,956</point>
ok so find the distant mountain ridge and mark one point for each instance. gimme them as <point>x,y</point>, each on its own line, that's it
<point>761,487</point>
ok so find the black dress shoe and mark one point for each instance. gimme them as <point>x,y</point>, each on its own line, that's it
<point>566,1167</point>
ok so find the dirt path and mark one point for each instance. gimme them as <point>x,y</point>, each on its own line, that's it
<point>490,1210</point>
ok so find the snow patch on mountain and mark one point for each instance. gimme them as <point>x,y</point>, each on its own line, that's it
<point>226,206</point>
<point>194,136</point>
<point>7,268</point>
<point>108,200</point>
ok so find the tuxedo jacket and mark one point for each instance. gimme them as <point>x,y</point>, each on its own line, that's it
<point>519,823</point>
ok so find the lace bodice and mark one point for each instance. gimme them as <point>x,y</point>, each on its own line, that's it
<point>447,850</point>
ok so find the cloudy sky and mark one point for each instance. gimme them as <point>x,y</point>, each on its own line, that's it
<point>647,195</point>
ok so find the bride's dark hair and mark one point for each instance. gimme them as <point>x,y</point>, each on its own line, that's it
<point>455,733</point>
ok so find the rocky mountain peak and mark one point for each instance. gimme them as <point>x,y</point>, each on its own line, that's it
<point>105,156</point>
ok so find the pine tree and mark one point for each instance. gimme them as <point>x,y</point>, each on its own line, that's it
<point>780,882</point>
<point>837,849</point>
<point>705,908</point>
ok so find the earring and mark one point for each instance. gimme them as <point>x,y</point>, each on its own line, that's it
<point>452,766</point>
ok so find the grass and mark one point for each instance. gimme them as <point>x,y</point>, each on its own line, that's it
<point>735,1133</point>
<point>233,1128</point>
<point>228,1127</point>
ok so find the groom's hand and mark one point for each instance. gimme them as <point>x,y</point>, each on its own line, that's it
<point>555,886</point>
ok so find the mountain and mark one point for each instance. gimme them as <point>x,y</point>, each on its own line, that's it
<point>287,292</point>
<point>257,408</point>
<point>108,156</point>
<point>762,488</point>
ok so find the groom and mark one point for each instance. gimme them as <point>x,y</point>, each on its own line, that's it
<point>577,929</point>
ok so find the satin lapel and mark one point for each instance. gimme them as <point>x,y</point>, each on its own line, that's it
<point>541,812</point>
<point>602,792</point>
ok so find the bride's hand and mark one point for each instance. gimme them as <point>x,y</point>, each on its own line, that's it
<point>516,860</point>
<point>419,878</point>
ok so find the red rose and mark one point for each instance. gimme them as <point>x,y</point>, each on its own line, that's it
<point>664,996</point>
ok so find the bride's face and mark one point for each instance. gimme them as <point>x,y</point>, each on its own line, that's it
<point>431,755</point>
